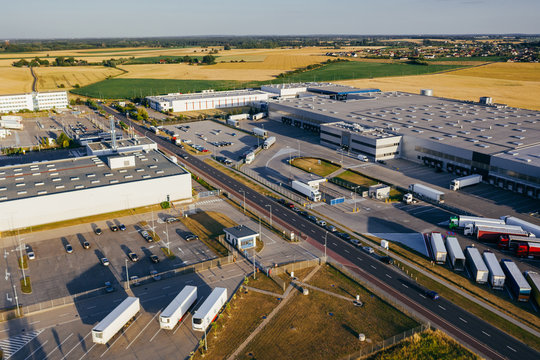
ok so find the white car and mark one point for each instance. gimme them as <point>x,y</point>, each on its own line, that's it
<point>31,255</point>
<point>368,249</point>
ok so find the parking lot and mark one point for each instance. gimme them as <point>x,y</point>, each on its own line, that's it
<point>208,134</point>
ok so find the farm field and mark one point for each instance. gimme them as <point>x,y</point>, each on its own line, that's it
<point>15,80</point>
<point>514,84</point>
<point>50,78</point>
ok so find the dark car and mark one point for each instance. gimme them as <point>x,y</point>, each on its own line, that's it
<point>289,205</point>
<point>97,231</point>
<point>86,245</point>
<point>114,228</point>
<point>330,228</point>
<point>69,248</point>
<point>432,295</point>
<point>122,227</point>
<point>381,162</point>
<point>133,257</point>
<point>191,236</point>
<point>108,287</point>
<point>303,213</point>
<point>344,236</point>
<point>154,259</point>
<point>387,260</point>
<point>312,218</point>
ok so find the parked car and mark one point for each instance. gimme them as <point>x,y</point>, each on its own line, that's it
<point>368,249</point>
<point>171,220</point>
<point>432,295</point>
<point>344,236</point>
<point>155,275</point>
<point>31,255</point>
<point>321,222</point>
<point>387,260</point>
<point>146,236</point>
<point>104,261</point>
<point>114,228</point>
<point>69,248</point>
<point>303,213</point>
<point>331,228</point>
<point>312,218</point>
<point>134,280</point>
<point>108,287</point>
<point>133,257</point>
<point>154,259</point>
<point>122,227</point>
<point>97,231</point>
<point>86,245</point>
<point>355,242</point>
<point>191,236</point>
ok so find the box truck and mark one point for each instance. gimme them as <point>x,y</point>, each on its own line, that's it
<point>176,310</point>
<point>116,320</point>
<point>516,283</point>
<point>477,268</point>
<point>269,142</point>
<point>209,309</point>
<point>496,275</point>
<point>438,248</point>
<point>533,278</point>
<point>492,233</point>
<point>260,132</point>
<point>525,225</point>
<point>461,221</point>
<point>461,182</point>
<point>311,193</point>
<point>455,254</point>
<point>425,192</point>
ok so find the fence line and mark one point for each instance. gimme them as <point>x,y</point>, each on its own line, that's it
<point>276,187</point>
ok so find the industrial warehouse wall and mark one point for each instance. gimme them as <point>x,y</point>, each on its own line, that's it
<point>45,209</point>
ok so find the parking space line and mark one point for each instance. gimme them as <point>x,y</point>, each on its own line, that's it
<point>153,337</point>
<point>56,348</point>
<point>144,328</point>
<point>87,351</point>
<point>73,348</point>
<point>39,348</point>
<point>119,337</point>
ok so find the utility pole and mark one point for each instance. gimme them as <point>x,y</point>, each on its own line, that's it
<point>242,191</point>
<point>167,233</point>
<point>17,301</point>
<point>153,228</point>
<point>270,206</point>
<point>325,237</point>
<point>21,258</point>
<point>127,276</point>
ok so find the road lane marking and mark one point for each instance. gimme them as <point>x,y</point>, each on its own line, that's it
<point>39,348</point>
<point>405,285</point>
<point>56,348</point>
<point>485,333</point>
<point>91,307</point>
<point>359,259</point>
<point>35,322</point>
<point>166,287</point>
<point>442,307</point>
<point>144,328</point>
<point>422,296</point>
<point>373,267</point>
<point>514,350</point>
<point>388,276</point>
<point>347,251</point>
<point>462,319</point>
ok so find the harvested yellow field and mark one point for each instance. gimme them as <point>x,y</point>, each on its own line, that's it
<point>15,80</point>
<point>276,62</point>
<point>184,71</point>
<point>506,71</point>
<point>516,93</point>
<point>50,78</point>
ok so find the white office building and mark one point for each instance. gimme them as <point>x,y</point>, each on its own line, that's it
<point>205,100</point>
<point>33,101</point>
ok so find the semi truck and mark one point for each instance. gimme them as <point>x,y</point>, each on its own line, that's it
<point>260,132</point>
<point>438,248</point>
<point>533,278</point>
<point>508,242</point>
<point>496,275</point>
<point>116,320</point>
<point>209,309</point>
<point>461,182</point>
<point>492,233</point>
<point>455,254</point>
<point>525,225</point>
<point>461,221</point>
<point>250,156</point>
<point>475,264</point>
<point>515,281</point>
<point>528,249</point>
<point>175,311</point>
<point>425,192</point>
<point>269,142</point>
<point>311,193</point>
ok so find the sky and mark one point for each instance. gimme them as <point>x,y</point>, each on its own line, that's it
<point>31,19</point>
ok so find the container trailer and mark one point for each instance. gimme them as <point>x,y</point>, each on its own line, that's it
<point>455,254</point>
<point>423,191</point>
<point>116,320</point>
<point>311,193</point>
<point>508,242</point>
<point>269,142</point>
<point>515,282</point>
<point>460,222</point>
<point>496,275</point>
<point>525,225</point>
<point>209,309</point>
<point>461,182</point>
<point>260,132</point>
<point>533,278</point>
<point>176,310</point>
<point>438,248</point>
<point>493,233</point>
<point>475,264</point>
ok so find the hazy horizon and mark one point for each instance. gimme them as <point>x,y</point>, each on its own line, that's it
<point>62,19</point>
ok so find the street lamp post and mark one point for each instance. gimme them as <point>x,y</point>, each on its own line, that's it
<point>21,257</point>
<point>270,206</point>
<point>325,237</point>
<point>242,191</point>
<point>127,276</point>
<point>16,301</point>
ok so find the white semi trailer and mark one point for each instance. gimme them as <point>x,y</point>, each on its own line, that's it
<point>209,309</point>
<point>477,268</point>
<point>423,191</point>
<point>116,320</point>
<point>461,182</point>
<point>439,250</point>
<point>461,221</point>
<point>525,225</point>
<point>455,254</point>
<point>260,132</point>
<point>496,274</point>
<point>174,312</point>
<point>311,193</point>
<point>269,142</point>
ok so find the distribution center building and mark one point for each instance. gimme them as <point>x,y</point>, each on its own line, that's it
<point>33,101</point>
<point>51,191</point>
<point>499,142</point>
<point>205,100</point>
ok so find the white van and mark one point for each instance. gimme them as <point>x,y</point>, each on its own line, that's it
<point>363,158</point>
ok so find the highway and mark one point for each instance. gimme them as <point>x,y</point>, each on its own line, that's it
<point>462,325</point>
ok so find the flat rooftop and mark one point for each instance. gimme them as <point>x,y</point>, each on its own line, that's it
<point>206,95</point>
<point>57,176</point>
<point>367,131</point>
<point>336,89</point>
<point>468,125</point>
<point>120,144</point>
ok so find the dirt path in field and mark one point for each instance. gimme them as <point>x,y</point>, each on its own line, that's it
<point>34,83</point>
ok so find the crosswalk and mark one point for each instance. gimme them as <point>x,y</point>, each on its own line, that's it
<point>13,344</point>
<point>206,202</point>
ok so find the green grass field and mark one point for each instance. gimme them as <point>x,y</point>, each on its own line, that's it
<point>156,59</point>
<point>129,88</point>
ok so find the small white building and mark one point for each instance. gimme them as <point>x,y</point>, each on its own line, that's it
<point>241,237</point>
<point>285,90</point>
<point>379,191</point>
<point>11,122</point>
<point>34,101</point>
<point>208,99</point>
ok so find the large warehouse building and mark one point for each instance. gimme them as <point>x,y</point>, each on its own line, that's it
<point>498,142</point>
<point>33,101</point>
<point>51,191</point>
<point>206,100</point>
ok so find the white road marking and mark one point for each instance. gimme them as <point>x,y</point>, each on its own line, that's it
<point>405,286</point>
<point>56,348</point>
<point>35,322</point>
<point>347,251</point>
<point>166,287</point>
<point>514,350</point>
<point>76,345</point>
<point>157,332</point>
<point>119,337</point>
<point>359,259</point>
<point>87,351</point>
<point>422,296</point>
<point>144,328</point>
<point>442,307</point>
<point>91,307</point>
<point>15,343</point>
<point>39,348</point>
<point>465,321</point>
<point>373,267</point>
<point>485,333</point>
<point>388,276</point>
